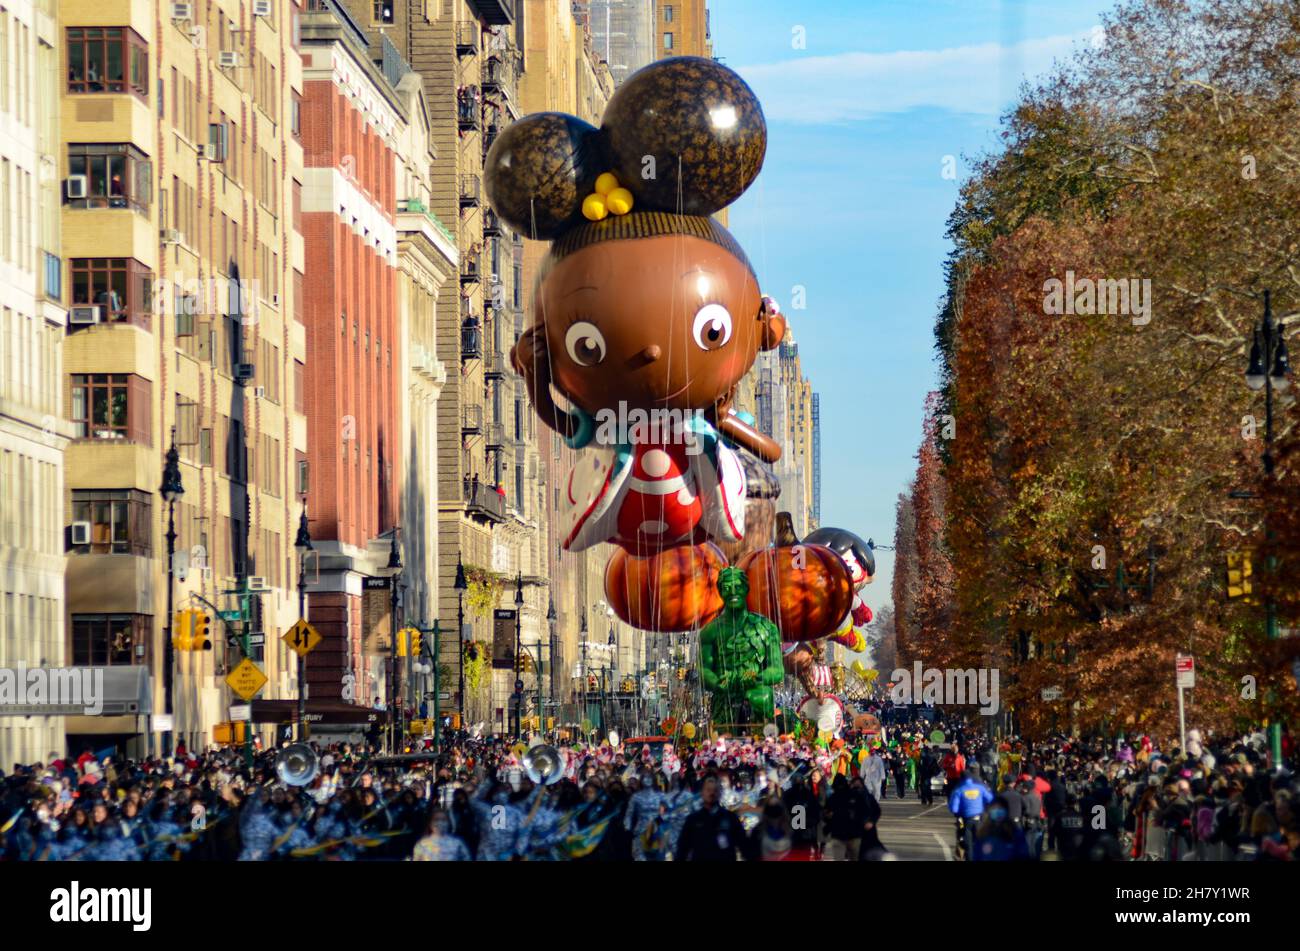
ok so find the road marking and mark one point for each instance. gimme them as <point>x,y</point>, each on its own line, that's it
<point>925,813</point>
<point>947,852</point>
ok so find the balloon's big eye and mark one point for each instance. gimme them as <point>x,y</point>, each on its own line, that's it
<point>585,344</point>
<point>712,327</point>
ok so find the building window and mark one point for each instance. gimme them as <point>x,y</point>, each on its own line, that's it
<point>117,176</point>
<point>99,405</point>
<point>109,640</point>
<point>53,276</point>
<point>119,521</point>
<point>668,41</point>
<point>107,59</point>
<point>383,11</point>
<point>236,453</point>
<point>668,14</point>
<point>111,406</point>
<point>122,287</point>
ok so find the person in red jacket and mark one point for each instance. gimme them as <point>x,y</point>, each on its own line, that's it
<point>954,769</point>
<point>1041,786</point>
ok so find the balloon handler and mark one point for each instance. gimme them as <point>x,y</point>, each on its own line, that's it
<point>740,657</point>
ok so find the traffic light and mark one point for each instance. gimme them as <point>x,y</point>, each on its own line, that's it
<point>182,637</point>
<point>401,643</point>
<point>200,639</point>
<point>1239,574</point>
<point>416,642</point>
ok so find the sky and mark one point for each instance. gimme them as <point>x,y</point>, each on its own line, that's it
<point>864,99</point>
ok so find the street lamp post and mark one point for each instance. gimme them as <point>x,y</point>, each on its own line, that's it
<point>519,677</point>
<point>582,685</point>
<point>460,585</point>
<point>303,544</point>
<point>171,490</point>
<point>541,703</point>
<point>550,644</point>
<point>1269,365</point>
<point>610,666</point>
<point>394,702</point>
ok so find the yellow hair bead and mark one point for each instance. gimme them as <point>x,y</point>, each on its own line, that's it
<point>606,182</point>
<point>619,201</point>
<point>593,207</point>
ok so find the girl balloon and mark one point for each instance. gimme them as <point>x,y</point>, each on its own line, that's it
<point>647,312</point>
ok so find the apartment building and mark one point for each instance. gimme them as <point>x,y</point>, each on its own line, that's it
<point>33,318</point>
<point>352,120</point>
<point>785,411</point>
<point>682,29</point>
<point>427,265</point>
<point>469,57</point>
<point>566,73</point>
<point>181,166</point>
<point>622,32</point>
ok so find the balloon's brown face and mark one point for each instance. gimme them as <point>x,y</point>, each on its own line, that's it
<point>669,322</point>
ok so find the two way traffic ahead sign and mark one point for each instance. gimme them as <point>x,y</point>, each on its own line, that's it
<point>302,637</point>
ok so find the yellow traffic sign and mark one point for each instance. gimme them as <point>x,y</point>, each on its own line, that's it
<point>246,679</point>
<point>302,637</point>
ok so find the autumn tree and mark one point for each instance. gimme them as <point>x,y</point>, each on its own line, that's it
<point>1103,463</point>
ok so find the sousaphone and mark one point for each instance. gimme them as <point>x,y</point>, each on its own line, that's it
<point>297,765</point>
<point>544,765</point>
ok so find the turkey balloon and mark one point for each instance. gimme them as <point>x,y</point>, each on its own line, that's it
<point>805,588</point>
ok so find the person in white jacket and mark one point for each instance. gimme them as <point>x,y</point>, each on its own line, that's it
<point>873,773</point>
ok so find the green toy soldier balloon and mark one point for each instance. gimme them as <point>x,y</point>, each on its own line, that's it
<point>740,655</point>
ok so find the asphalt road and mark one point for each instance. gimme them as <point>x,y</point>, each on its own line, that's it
<point>917,833</point>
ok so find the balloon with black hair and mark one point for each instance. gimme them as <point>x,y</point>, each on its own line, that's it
<point>539,169</point>
<point>687,135</point>
<point>846,545</point>
<point>643,302</point>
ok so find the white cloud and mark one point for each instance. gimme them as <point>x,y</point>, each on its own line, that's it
<point>847,86</point>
